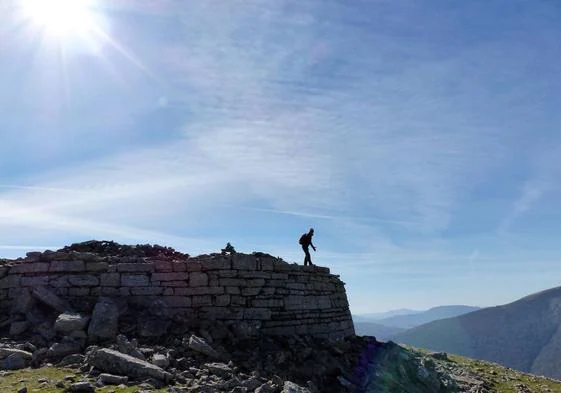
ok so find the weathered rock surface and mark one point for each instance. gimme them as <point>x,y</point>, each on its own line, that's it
<point>200,345</point>
<point>64,348</point>
<point>17,328</point>
<point>113,361</point>
<point>69,322</point>
<point>74,360</point>
<point>79,387</point>
<point>220,369</point>
<point>291,387</point>
<point>47,297</point>
<point>160,360</point>
<point>14,359</point>
<point>126,347</point>
<point>104,322</point>
<point>110,379</point>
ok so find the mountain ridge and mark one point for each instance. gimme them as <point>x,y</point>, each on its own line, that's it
<point>386,328</point>
<point>523,334</point>
<point>434,313</point>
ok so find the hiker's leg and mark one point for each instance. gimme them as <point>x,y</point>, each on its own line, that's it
<point>307,258</point>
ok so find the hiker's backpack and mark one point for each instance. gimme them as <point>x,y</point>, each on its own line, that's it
<point>303,239</point>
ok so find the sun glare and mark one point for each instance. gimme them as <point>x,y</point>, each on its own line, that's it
<point>60,17</point>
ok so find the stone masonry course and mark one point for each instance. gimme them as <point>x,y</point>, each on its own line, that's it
<point>276,297</point>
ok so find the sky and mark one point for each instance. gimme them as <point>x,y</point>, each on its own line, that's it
<point>421,140</point>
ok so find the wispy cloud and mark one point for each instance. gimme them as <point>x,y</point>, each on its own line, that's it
<point>545,177</point>
<point>286,116</point>
<point>26,247</point>
<point>35,188</point>
<point>530,194</point>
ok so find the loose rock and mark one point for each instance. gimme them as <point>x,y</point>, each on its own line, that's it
<point>14,359</point>
<point>291,387</point>
<point>109,360</point>
<point>160,360</point>
<point>85,387</point>
<point>104,322</point>
<point>69,322</point>
<point>110,379</point>
<point>200,345</point>
<point>126,347</point>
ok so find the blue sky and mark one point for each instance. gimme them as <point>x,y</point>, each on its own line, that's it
<point>420,139</point>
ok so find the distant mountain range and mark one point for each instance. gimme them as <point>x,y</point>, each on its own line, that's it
<point>381,332</point>
<point>411,320</point>
<point>524,335</point>
<point>385,325</point>
<point>381,315</point>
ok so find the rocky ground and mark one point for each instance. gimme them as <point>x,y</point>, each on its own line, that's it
<point>265,365</point>
<point>112,342</point>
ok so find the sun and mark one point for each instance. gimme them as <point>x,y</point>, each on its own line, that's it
<point>60,17</point>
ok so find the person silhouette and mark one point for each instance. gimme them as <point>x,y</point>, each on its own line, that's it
<point>306,242</point>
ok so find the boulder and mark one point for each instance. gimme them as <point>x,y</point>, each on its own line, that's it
<point>14,359</point>
<point>126,347</point>
<point>200,345</point>
<point>160,360</point>
<point>64,348</point>
<point>46,330</point>
<point>219,369</point>
<point>47,297</point>
<point>291,387</point>
<point>68,322</point>
<point>74,360</point>
<point>110,379</point>
<point>109,360</point>
<point>252,383</point>
<point>104,322</point>
<point>85,387</point>
<point>39,356</point>
<point>17,328</point>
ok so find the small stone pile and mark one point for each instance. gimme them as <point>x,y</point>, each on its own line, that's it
<point>110,248</point>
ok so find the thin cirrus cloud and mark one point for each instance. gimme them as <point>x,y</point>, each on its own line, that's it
<point>382,128</point>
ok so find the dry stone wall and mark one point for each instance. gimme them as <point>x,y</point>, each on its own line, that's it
<point>258,291</point>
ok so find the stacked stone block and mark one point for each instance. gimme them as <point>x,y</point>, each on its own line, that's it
<point>266,293</point>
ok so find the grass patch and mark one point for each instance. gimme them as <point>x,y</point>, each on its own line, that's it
<point>507,380</point>
<point>44,379</point>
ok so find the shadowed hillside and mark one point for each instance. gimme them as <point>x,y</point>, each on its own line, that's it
<point>523,335</point>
